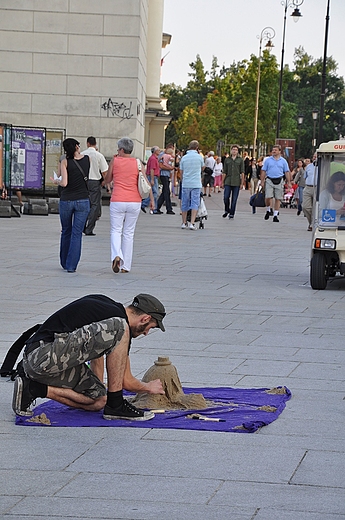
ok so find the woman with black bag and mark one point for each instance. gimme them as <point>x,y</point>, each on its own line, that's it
<point>74,205</point>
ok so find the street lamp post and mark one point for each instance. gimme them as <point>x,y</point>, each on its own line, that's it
<point>323,80</point>
<point>300,123</point>
<point>268,34</point>
<point>296,16</point>
<point>314,114</point>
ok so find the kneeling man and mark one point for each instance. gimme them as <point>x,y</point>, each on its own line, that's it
<point>54,360</point>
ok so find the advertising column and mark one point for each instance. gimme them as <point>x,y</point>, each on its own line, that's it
<point>288,150</point>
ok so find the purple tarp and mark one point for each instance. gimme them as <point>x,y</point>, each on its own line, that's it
<point>244,411</point>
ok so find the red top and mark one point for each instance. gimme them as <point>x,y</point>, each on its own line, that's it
<point>152,164</point>
<point>125,180</point>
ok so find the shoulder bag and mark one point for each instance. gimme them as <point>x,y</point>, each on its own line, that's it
<point>83,174</point>
<point>144,187</point>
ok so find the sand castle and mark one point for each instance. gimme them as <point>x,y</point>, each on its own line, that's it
<point>174,398</point>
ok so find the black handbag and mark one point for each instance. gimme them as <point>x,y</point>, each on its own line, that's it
<point>208,171</point>
<point>258,200</point>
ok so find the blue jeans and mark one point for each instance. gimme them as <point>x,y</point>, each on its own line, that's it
<point>234,192</point>
<point>73,215</point>
<point>146,202</point>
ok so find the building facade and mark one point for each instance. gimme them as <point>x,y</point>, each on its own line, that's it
<point>90,68</point>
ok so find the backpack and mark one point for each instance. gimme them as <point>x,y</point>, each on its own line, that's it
<point>14,351</point>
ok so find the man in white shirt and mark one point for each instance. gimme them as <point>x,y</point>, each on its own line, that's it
<point>308,192</point>
<point>208,178</point>
<point>98,167</point>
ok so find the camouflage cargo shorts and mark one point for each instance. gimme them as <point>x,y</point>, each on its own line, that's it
<point>62,363</point>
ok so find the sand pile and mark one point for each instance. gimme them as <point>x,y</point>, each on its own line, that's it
<point>174,398</point>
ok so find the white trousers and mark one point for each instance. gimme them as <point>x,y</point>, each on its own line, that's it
<point>123,219</point>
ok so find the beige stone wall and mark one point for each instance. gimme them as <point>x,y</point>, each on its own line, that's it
<point>61,60</point>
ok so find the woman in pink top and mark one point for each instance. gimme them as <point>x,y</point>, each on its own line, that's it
<point>125,204</point>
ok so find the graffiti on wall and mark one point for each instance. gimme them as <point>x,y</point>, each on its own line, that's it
<point>115,109</point>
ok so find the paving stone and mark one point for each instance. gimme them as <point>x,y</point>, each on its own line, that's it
<point>26,482</point>
<point>170,489</point>
<point>280,497</point>
<point>117,509</point>
<point>203,463</point>
<point>321,468</point>
<point>273,514</point>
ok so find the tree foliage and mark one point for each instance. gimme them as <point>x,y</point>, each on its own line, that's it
<point>220,105</point>
<point>304,91</point>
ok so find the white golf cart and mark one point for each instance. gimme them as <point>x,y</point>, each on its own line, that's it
<point>328,240</point>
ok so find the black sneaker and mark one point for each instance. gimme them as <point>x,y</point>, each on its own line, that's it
<point>171,212</point>
<point>275,219</point>
<point>225,215</point>
<point>267,215</point>
<point>126,411</point>
<point>22,397</point>
<point>271,212</point>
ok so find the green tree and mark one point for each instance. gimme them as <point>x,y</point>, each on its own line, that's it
<point>220,105</point>
<point>227,112</point>
<point>175,105</point>
<point>304,90</point>
<point>194,93</point>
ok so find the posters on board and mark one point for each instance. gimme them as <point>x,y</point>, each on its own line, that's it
<point>1,157</point>
<point>27,157</point>
<point>54,139</point>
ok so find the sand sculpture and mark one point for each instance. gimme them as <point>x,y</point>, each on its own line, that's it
<point>174,398</point>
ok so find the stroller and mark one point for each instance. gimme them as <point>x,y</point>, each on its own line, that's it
<point>201,214</point>
<point>289,197</point>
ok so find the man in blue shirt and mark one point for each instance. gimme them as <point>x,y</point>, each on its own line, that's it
<point>191,167</point>
<point>272,175</point>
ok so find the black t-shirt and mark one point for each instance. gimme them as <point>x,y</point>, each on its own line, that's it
<point>86,310</point>
<point>76,188</point>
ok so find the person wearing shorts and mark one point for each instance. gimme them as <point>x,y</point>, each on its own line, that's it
<point>208,179</point>
<point>272,179</point>
<point>191,168</point>
<point>55,358</point>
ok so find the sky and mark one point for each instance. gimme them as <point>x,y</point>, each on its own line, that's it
<point>228,29</point>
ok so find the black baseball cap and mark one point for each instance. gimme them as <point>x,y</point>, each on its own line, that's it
<point>150,305</point>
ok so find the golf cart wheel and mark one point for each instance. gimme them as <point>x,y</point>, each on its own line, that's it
<point>318,272</point>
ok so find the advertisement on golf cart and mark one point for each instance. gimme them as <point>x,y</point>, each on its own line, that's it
<point>27,158</point>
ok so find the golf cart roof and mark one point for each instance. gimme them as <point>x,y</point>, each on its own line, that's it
<point>332,147</point>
